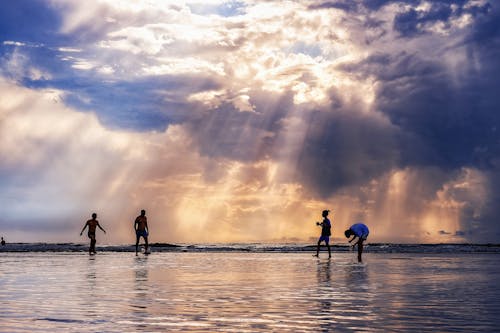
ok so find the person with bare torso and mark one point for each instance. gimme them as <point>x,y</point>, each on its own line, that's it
<point>92,224</point>
<point>141,230</point>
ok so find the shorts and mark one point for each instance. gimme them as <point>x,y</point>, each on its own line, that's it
<point>325,239</point>
<point>91,235</point>
<point>142,233</point>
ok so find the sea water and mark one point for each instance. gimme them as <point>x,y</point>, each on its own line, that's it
<point>249,292</point>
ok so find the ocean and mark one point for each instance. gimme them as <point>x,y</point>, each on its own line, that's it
<point>249,288</point>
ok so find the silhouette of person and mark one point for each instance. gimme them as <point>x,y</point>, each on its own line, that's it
<point>92,224</point>
<point>2,242</point>
<point>141,230</point>
<point>361,231</point>
<point>325,233</point>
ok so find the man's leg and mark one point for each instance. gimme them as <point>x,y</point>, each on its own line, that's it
<point>317,248</point>
<point>329,251</point>
<point>146,243</point>
<point>137,244</point>
<point>360,249</point>
<point>92,245</point>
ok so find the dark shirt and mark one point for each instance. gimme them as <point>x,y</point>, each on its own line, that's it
<point>326,227</point>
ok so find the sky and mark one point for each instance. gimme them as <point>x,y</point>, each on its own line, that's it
<point>240,121</point>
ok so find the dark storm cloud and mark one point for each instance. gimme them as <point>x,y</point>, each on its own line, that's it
<point>413,22</point>
<point>345,148</point>
<point>452,118</point>
<point>458,121</point>
<point>485,226</point>
<point>484,48</point>
<point>455,123</point>
<point>354,6</point>
<point>339,4</point>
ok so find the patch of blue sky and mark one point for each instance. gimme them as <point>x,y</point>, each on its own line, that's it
<point>16,60</point>
<point>301,47</point>
<point>224,9</point>
<point>28,21</point>
<point>140,105</point>
<point>121,111</point>
<point>127,105</point>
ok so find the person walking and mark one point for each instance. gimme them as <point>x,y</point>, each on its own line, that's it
<point>326,232</point>
<point>92,224</point>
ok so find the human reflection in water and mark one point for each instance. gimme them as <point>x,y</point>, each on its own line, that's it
<point>141,300</point>
<point>91,302</point>
<point>357,277</point>
<point>359,292</point>
<point>91,276</point>
<point>323,273</point>
<point>141,273</point>
<point>325,295</point>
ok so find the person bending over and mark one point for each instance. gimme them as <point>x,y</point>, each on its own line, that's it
<point>360,231</point>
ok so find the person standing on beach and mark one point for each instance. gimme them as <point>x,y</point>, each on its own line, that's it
<point>92,224</point>
<point>360,231</point>
<point>326,227</point>
<point>3,242</point>
<point>141,230</point>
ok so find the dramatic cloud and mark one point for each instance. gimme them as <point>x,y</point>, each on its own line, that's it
<point>242,120</point>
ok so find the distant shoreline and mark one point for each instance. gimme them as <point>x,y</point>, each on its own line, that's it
<point>257,248</point>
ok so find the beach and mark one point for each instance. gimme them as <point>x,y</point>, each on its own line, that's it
<point>249,292</point>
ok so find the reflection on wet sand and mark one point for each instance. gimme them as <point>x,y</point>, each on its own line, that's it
<point>140,300</point>
<point>326,295</point>
<point>249,292</point>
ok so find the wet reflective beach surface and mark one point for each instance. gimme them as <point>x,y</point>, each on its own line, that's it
<point>249,292</point>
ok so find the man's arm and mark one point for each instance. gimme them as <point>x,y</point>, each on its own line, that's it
<point>100,227</point>
<point>353,238</point>
<point>85,226</point>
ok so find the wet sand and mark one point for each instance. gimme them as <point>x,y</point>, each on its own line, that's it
<point>249,292</point>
